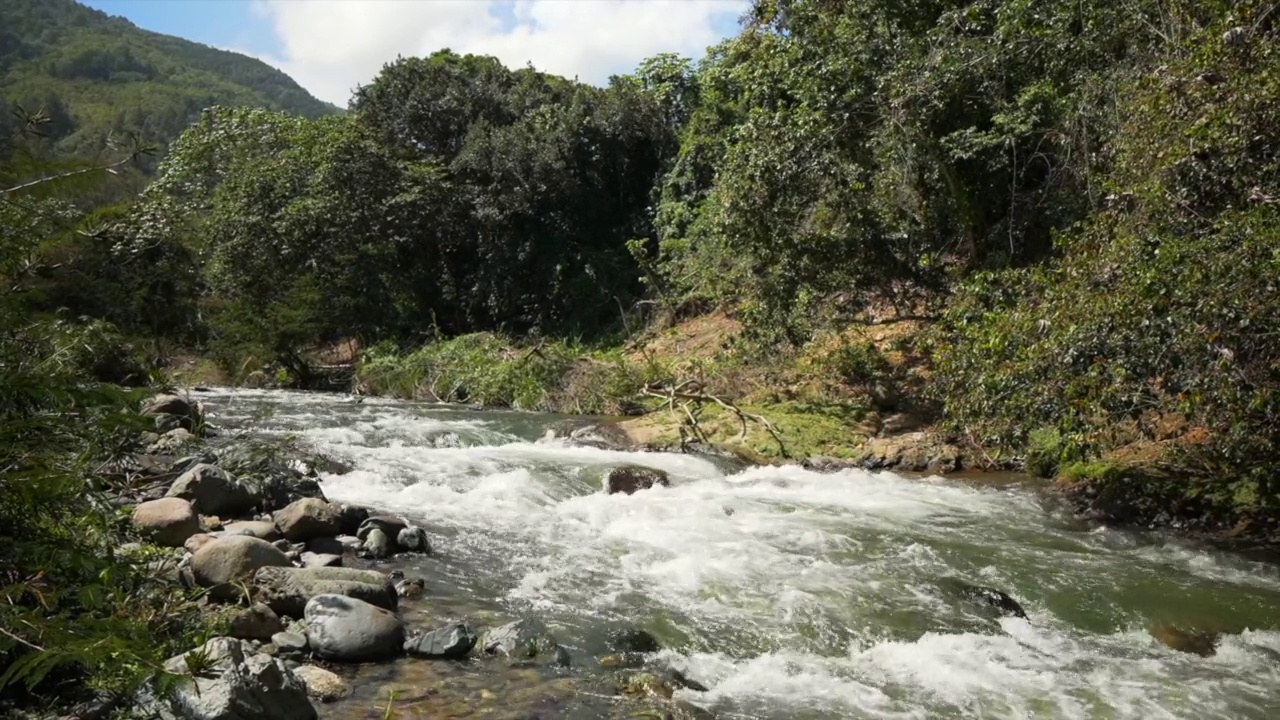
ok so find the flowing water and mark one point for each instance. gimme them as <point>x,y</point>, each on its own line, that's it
<point>793,594</point>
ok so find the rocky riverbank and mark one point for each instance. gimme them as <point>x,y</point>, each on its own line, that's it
<point>311,603</point>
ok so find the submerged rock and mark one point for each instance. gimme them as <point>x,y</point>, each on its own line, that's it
<point>236,684</point>
<point>633,478</point>
<point>633,640</point>
<point>1188,640</point>
<point>344,628</point>
<point>527,639</point>
<point>411,589</point>
<point>984,597</point>
<point>449,642</point>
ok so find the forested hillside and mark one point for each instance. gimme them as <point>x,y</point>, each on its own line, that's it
<point>99,76</point>
<point>1075,207</point>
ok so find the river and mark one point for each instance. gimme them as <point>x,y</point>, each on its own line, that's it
<point>790,594</point>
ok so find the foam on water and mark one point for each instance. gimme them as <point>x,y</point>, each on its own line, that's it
<point>795,594</point>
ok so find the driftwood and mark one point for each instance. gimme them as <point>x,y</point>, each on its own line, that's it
<point>687,398</point>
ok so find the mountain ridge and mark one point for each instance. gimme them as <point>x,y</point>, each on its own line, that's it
<point>98,75</point>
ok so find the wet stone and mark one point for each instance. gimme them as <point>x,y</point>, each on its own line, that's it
<point>449,642</point>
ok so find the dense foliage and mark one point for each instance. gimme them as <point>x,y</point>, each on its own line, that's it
<point>79,615</point>
<point>458,196</point>
<point>1158,323</point>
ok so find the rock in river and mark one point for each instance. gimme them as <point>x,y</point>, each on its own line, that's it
<point>527,639</point>
<point>214,491</point>
<point>633,478</point>
<point>321,684</point>
<point>256,622</point>
<point>235,557</point>
<point>984,597</point>
<point>309,518</point>
<point>236,684</point>
<point>343,628</point>
<point>449,642</point>
<point>286,590</point>
<point>167,521</point>
<point>253,528</point>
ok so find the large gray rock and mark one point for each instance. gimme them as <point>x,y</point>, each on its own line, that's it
<point>449,642</point>
<point>214,491</point>
<point>236,557</point>
<point>633,478</point>
<point>309,518</point>
<point>344,628</point>
<point>527,639</point>
<point>235,684</point>
<point>287,590</point>
<point>167,521</point>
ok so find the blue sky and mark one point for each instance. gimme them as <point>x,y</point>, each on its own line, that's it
<point>330,46</point>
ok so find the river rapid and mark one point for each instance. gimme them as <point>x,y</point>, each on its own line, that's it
<point>788,593</point>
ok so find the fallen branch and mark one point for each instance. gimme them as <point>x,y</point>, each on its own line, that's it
<point>690,393</point>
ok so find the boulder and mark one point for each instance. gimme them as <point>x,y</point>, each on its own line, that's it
<point>236,557</point>
<point>527,639</point>
<point>321,684</point>
<point>256,622</point>
<point>344,628</point>
<point>214,491</point>
<point>253,528</point>
<point>287,590</point>
<point>413,539</point>
<point>282,488</point>
<point>633,478</point>
<point>167,521</point>
<point>308,518</point>
<point>235,684</point>
<point>450,642</point>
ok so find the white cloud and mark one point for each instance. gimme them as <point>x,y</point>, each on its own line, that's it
<point>331,46</point>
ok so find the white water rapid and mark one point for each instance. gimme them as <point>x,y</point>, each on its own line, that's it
<point>793,594</point>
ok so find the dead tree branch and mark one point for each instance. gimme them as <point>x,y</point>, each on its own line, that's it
<point>688,398</point>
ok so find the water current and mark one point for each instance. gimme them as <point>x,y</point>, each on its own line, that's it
<point>794,594</point>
